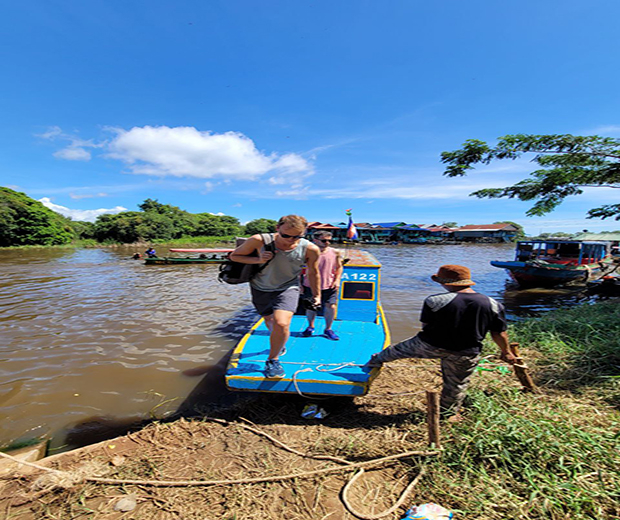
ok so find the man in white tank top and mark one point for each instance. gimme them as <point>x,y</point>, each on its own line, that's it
<point>275,290</point>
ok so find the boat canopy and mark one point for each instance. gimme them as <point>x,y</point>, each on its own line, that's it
<point>579,251</point>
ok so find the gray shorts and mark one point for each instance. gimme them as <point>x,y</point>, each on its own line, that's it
<point>268,302</point>
<point>328,296</point>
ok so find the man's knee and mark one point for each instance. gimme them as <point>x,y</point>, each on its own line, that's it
<point>282,322</point>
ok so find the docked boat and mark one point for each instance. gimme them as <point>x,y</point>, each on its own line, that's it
<point>316,365</point>
<point>547,263</point>
<point>199,256</point>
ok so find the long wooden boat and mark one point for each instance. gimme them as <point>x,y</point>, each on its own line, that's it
<point>316,365</point>
<point>203,256</point>
<point>547,263</point>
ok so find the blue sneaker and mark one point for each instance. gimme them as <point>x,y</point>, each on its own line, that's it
<point>330,334</point>
<point>273,368</point>
<point>308,332</point>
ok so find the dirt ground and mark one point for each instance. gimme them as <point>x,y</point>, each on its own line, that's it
<point>389,420</point>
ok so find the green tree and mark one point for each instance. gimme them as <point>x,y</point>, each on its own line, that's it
<point>260,225</point>
<point>82,229</point>
<point>450,224</point>
<point>25,221</point>
<point>120,228</point>
<point>211,225</point>
<point>183,222</point>
<point>568,164</point>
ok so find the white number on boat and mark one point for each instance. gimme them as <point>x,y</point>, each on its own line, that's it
<point>371,277</point>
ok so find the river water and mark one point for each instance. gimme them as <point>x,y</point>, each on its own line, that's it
<point>92,339</point>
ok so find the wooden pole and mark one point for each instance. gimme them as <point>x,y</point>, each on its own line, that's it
<point>432,418</point>
<point>522,372</point>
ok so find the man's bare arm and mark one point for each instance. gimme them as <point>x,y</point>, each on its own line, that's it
<point>244,253</point>
<point>501,340</point>
<point>339,269</point>
<point>312,266</point>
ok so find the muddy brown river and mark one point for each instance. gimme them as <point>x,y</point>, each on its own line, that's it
<point>92,340</point>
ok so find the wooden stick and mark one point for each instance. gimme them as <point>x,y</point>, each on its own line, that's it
<point>432,418</point>
<point>522,372</point>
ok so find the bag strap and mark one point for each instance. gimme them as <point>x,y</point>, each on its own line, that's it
<point>270,245</point>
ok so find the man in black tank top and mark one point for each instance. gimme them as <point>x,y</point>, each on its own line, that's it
<point>453,327</point>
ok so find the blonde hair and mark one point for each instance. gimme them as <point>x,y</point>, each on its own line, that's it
<point>295,221</point>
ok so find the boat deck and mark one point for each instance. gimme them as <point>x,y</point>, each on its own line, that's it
<point>313,365</point>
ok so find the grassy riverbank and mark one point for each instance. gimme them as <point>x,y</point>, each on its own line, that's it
<point>189,242</point>
<point>549,456</point>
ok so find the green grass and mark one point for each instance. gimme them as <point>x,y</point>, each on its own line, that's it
<point>579,349</point>
<point>553,456</point>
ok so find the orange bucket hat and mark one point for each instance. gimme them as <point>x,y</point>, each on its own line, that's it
<point>453,275</point>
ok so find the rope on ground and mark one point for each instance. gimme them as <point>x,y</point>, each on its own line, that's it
<point>57,478</point>
<point>31,464</point>
<point>275,478</point>
<point>278,443</point>
<point>375,516</point>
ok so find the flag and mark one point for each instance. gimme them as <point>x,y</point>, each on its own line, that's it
<point>351,229</point>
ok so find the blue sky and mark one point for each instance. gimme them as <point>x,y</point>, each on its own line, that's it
<point>264,108</point>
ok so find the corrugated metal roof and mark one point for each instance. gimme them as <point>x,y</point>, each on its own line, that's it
<point>485,227</point>
<point>612,236</point>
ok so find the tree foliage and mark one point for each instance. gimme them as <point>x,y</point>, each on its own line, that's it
<point>25,221</point>
<point>159,221</point>
<point>568,164</point>
<point>260,225</point>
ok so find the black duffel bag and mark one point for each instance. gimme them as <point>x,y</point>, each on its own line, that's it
<point>236,272</point>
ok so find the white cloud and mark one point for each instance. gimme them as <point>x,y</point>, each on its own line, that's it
<point>78,196</point>
<point>88,215</point>
<point>52,133</point>
<point>188,152</point>
<point>73,153</point>
<point>76,150</point>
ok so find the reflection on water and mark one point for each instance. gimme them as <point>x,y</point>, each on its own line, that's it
<point>90,332</point>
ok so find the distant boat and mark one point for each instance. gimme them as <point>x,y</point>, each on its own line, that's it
<point>547,263</point>
<point>204,256</point>
<point>316,365</point>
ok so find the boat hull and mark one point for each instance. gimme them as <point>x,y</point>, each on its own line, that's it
<point>537,274</point>
<point>182,261</point>
<point>313,365</point>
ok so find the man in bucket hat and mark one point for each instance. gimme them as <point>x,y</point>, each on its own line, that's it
<point>453,327</point>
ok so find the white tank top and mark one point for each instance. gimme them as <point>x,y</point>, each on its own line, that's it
<point>283,270</point>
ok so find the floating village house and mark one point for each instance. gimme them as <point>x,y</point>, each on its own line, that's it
<point>486,233</point>
<point>385,232</point>
<point>380,232</point>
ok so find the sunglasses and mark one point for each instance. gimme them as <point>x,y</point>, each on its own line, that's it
<point>325,240</point>
<point>296,237</point>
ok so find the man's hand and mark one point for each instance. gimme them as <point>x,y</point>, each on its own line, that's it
<point>265,256</point>
<point>317,301</point>
<point>508,357</point>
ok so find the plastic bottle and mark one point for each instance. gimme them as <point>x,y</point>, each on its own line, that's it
<point>428,512</point>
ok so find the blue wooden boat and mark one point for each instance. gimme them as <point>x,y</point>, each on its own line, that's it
<point>316,365</point>
<point>547,263</point>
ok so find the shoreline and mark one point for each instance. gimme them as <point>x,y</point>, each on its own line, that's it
<point>508,445</point>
